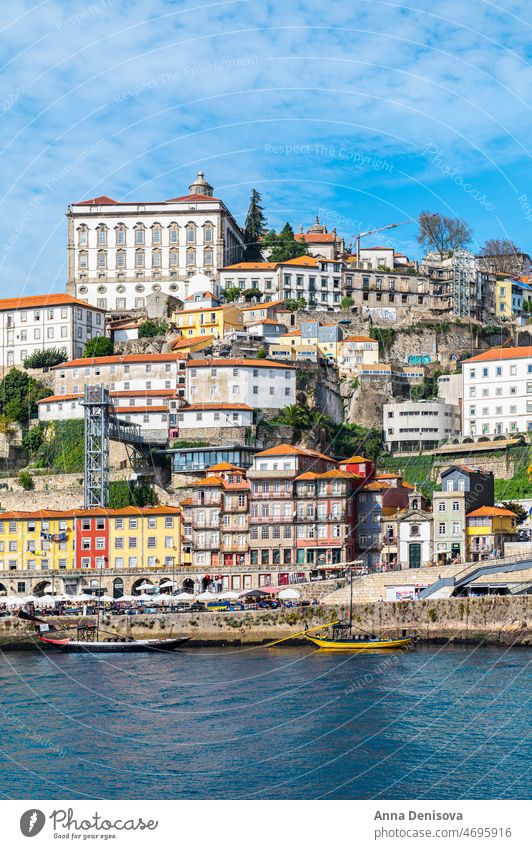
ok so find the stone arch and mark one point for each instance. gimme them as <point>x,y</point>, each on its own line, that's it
<point>41,588</point>
<point>188,585</point>
<point>118,587</point>
<point>3,589</point>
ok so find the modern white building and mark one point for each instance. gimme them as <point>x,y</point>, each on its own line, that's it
<point>259,383</point>
<point>419,425</point>
<point>41,322</point>
<point>450,388</point>
<point>216,415</point>
<point>318,281</point>
<point>498,392</point>
<point>120,252</point>
<point>263,276</point>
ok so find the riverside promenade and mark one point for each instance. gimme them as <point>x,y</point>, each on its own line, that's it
<point>496,620</point>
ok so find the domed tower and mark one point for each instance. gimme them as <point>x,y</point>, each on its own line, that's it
<point>317,227</point>
<point>200,186</point>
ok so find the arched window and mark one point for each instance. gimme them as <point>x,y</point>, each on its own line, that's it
<point>173,258</point>
<point>102,259</point>
<point>156,259</point>
<point>118,588</point>
<point>191,256</point>
<point>173,234</point>
<point>139,258</point>
<point>156,234</point>
<point>83,259</point>
<point>83,235</point>
<point>120,234</point>
<point>101,235</point>
<point>139,234</point>
<point>191,232</point>
<point>121,259</point>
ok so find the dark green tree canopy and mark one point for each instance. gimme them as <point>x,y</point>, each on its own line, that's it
<point>283,245</point>
<point>100,346</point>
<point>254,229</point>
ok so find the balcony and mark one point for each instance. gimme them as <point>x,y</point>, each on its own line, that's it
<point>237,548</point>
<point>279,474</point>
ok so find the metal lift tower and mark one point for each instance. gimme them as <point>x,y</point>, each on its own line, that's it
<point>96,465</point>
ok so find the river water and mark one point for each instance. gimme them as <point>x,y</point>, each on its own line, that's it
<point>226,723</point>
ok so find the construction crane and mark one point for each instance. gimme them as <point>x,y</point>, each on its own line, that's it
<point>359,236</point>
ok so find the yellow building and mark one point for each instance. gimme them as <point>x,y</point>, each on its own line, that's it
<point>42,540</point>
<point>487,530</point>
<point>144,537</point>
<point>214,321</point>
<point>357,351</point>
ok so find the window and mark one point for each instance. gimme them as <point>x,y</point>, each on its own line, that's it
<point>441,506</point>
<point>441,528</point>
<point>139,234</point>
<point>139,258</point>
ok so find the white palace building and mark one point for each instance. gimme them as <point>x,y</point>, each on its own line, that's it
<point>119,253</point>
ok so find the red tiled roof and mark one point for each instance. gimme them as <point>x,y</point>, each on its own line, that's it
<point>214,406</point>
<point>284,449</point>
<point>191,198</point>
<point>227,363</point>
<point>161,509</point>
<point>133,410</point>
<point>192,340</point>
<point>116,359</point>
<point>315,237</point>
<point>53,299</point>
<point>490,511</point>
<point>103,200</point>
<point>355,459</point>
<point>495,354</point>
<point>311,261</point>
<point>247,266</point>
<point>262,306</point>
<point>359,339</point>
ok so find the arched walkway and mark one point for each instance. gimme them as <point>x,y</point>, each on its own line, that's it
<point>188,585</point>
<point>118,588</point>
<point>41,588</point>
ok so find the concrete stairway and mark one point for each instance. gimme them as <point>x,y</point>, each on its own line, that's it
<point>372,587</point>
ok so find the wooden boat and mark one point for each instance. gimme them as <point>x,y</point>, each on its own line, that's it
<point>91,646</point>
<point>346,642</point>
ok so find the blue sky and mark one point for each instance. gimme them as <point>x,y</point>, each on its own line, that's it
<point>364,112</point>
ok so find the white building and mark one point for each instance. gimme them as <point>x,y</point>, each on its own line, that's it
<point>419,425</point>
<point>120,252</point>
<point>216,415</point>
<point>376,258</point>
<point>263,276</point>
<point>41,322</point>
<point>498,392</point>
<point>260,383</point>
<point>357,351</point>
<point>450,388</point>
<point>318,281</point>
<point>415,535</point>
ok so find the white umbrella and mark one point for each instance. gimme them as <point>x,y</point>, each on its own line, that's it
<point>82,597</point>
<point>289,594</point>
<point>206,596</point>
<point>145,586</point>
<point>47,599</point>
<point>184,597</point>
<point>230,594</point>
<point>166,584</point>
<point>143,597</point>
<point>105,598</point>
<point>14,602</point>
<point>29,598</point>
<point>125,598</point>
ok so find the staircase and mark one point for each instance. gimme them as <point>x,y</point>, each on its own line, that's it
<point>472,571</point>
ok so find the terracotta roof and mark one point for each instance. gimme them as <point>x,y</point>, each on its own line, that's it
<point>315,237</point>
<point>160,509</point>
<point>386,475</point>
<point>490,511</point>
<point>134,410</point>
<point>51,399</point>
<point>53,299</point>
<point>243,266</point>
<point>284,449</point>
<point>359,339</point>
<point>214,406</point>
<point>338,473</point>
<point>307,476</point>
<point>116,359</point>
<point>262,306</point>
<point>192,340</point>
<point>200,295</point>
<point>224,467</point>
<point>266,321</point>
<point>103,200</point>
<point>227,363</point>
<point>495,354</point>
<point>221,308</point>
<point>292,333</point>
<point>310,261</point>
<point>198,197</point>
<point>355,459</point>
<point>376,485</point>
<point>210,481</point>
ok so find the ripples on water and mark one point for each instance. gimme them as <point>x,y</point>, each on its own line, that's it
<point>436,723</point>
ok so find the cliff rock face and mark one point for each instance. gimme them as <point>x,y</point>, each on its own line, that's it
<point>318,388</point>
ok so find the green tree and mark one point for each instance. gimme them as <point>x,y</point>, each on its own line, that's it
<point>126,494</point>
<point>26,481</point>
<point>346,303</point>
<point>254,228</point>
<point>232,294</point>
<point>292,305</point>
<point>250,294</point>
<point>294,415</point>
<point>283,245</point>
<point>46,359</point>
<point>518,509</point>
<point>261,354</point>
<point>19,394</point>
<point>151,328</point>
<point>100,346</point>
<point>34,438</point>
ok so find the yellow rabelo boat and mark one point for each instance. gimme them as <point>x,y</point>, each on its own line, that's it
<point>343,639</point>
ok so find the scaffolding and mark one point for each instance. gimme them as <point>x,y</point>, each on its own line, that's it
<point>462,280</point>
<point>96,464</point>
